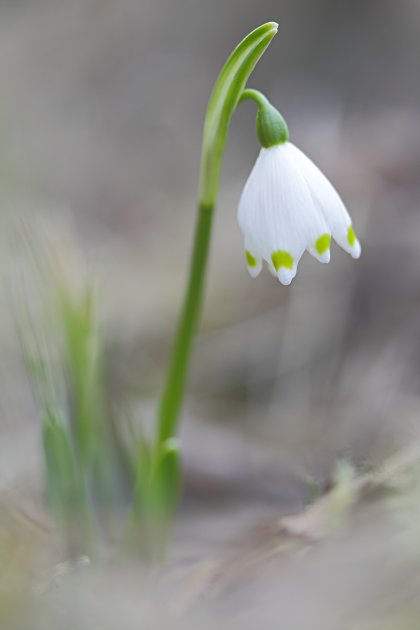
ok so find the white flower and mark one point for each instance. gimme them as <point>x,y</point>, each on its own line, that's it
<point>288,206</point>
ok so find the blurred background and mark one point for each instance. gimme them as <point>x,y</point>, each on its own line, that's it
<point>101,112</point>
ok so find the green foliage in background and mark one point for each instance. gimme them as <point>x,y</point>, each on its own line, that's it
<point>71,394</point>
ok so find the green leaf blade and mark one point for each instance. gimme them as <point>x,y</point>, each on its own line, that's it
<point>223,101</point>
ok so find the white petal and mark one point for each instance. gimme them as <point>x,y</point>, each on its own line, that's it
<point>286,276</point>
<point>255,270</point>
<point>320,248</point>
<point>356,249</point>
<point>323,257</point>
<point>253,259</point>
<point>271,269</point>
<point>329,202</point>
<point>278,211</point>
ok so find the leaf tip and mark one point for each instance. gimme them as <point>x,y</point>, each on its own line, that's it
<point>270,28</point>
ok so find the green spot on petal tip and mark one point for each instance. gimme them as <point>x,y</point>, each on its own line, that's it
<point>281,258</point>
<point>250,260</point>
<point>351,236</point>
<point>323,243</point>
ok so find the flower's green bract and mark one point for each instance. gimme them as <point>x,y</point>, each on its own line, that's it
<point>223,101</point>
<point>270,125</point>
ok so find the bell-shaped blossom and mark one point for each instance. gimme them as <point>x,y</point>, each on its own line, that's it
<point>288,206</point>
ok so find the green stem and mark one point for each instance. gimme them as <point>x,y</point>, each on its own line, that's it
<point>254,95</point>
<point>171,400</point>
<point>222,104</point>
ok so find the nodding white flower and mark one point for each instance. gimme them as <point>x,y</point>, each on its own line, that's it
<point>288,206</point>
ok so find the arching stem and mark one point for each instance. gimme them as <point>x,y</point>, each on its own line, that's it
<point>223,102</point>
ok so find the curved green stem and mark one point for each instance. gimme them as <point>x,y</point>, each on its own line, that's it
<point>254,95</point>
<point>171,400</point>
<point>223,102</point>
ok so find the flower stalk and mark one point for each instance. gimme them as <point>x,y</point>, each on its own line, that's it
<point>224,99</point>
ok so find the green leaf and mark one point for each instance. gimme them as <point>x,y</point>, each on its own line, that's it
<point>63,487</point>
<point>66,490</point>
<point>83,361</point>
<point>166,479</point>
<point>155,498</point>
<point>143,480</point>
<point>223,101</point>
<point>159,480</point>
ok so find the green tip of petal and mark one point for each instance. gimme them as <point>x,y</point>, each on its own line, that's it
<point>351,236</point>
<point>281,258</point>
<point>250,260</point>
<point>323,243</point>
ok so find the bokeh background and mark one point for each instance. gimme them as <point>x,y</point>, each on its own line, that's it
<point>101,111</point>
